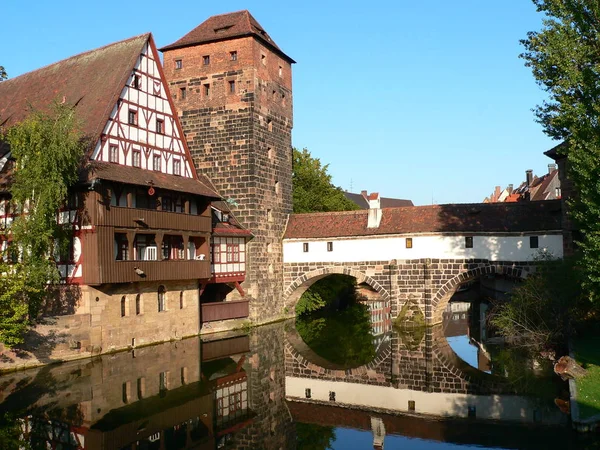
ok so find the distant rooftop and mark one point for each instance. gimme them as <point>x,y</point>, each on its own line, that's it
<point>362,200</point>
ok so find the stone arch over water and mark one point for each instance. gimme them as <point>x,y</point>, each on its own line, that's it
<point>301,284</point>
<point>440,300</point>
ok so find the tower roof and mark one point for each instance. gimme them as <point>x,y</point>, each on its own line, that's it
<point>227,26</point>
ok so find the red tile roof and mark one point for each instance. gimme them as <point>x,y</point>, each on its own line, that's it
<point>227,26</point>
<point>92,81</point>
<point>472,218</point>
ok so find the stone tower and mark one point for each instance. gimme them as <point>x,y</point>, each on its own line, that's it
<point>232,88</point>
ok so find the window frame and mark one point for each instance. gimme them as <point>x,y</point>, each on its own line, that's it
<point>408,242</point>
<point>305,247</point>
<point>160,126</point>
<point>330,246</point>
<point>233,55</point>
<point>156,167</point>
<point>205,60</point>
<point>178,64</point>
<point>177,167</point>
<point>132,117</point>
<point>469,242</point>
<point>136,152</point>
<point>113,153</point>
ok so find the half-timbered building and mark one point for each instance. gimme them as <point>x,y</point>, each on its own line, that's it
<point>141,214</point>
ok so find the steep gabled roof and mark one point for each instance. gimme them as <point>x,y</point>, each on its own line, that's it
<point>227,26</point>
<point>452,218</point>
<point>92,81</point>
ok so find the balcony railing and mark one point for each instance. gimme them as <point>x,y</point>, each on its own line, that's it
<point>224,310</point>
<point>152,219</point>
<point>131,271</point>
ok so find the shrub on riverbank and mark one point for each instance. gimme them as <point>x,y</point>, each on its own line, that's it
<point>588,387</point>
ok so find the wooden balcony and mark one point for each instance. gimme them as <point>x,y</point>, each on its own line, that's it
<point>150,219</point>
<point>124,271</point>
<point>225,347</point>
<point>224,310</point>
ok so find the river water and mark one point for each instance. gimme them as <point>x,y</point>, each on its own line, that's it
<point>342,381</point>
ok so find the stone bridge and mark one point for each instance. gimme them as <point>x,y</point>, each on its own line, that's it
<point>416,257</point>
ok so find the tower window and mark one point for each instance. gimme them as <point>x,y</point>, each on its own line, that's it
<point>178,64</point>
<point>182,93</point>
<point>233,55</point>
<point>468,241</point>
<point>160,129</point>
<point>277,187</point>
<point>162,302</point>
<point>207,90</point>
<point>270,153</point>
<point>270,215</point>
<point>533,241</point>
<point>206,60</point>
<point>263,59</point>
<point>132,117</point>
<point>280,71</point>
<point>123,306</point>
<point>269,125</point>
<point>232,87</point>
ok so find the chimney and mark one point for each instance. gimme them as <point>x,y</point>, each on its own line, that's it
<point>510,188</point>
<point>529,177</point>
<point>374,210</point>
<point>551,168</point>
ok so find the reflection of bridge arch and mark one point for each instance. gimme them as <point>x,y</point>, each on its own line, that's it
<point>307,361</point>
<point>295,290</point>
<point>440,300</point>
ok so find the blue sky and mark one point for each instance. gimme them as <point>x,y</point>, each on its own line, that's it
<point>425,100</point>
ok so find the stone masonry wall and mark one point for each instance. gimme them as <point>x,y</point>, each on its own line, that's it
<point>239,135</point>
<point>426,283</point>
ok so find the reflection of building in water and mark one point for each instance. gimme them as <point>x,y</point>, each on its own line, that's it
<point>378,428</point>
<point>179,395</point>
<point>379,310</point>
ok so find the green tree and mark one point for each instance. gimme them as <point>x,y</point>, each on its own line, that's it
<point>3,74</point>
<point>565,59</point>
<point>47,148</point>
<point>313,190</point>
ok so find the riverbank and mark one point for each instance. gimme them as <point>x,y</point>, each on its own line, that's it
<point>585,391</point>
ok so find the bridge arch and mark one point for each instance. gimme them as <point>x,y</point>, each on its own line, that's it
<point>440,300</point>
<point>297,287</point>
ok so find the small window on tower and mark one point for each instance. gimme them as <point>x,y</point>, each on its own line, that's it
<point>207,90</point>
<point>233,55</point>
<point>232,87</point>
<point>178,64</point>
<point>280,71</point>
<point>132,117</point>
<point>113,154</point>
<point>263,59</point>
<point>206,60</point>
<point>269,125</point>
<point>160,126</point>
<point>182,93</point>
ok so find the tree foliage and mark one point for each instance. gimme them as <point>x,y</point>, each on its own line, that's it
<point>313,190</point>
<point>3,74</point>
<point>546,309</point>
<point>47,149</point>
<point>326,291</point>
<point>565,59</point>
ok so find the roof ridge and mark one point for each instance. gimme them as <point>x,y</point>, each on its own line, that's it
<point>147,34</point>
<point>328,213</point>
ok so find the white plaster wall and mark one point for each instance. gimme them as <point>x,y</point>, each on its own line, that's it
<point>384,248</point>
<point>497,407</point>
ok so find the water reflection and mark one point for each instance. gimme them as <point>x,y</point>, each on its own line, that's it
<point>259,391</point>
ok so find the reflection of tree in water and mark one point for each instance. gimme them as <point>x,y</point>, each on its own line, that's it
<point>341,337</point>
<point>10,432</point>
<point>410,337</point>
<point>314,437</point>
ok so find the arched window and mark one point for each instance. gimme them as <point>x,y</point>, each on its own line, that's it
<point>138,304</point>
<point>162,293</point>
<point>123,307</point>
